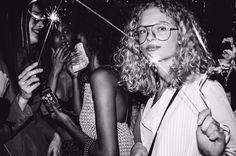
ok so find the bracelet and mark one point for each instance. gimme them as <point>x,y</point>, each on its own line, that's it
<point>87,146</point>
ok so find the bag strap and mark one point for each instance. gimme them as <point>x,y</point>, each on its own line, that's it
<point>171,101</point>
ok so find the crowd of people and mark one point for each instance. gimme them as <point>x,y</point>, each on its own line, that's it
<point>163,55</point>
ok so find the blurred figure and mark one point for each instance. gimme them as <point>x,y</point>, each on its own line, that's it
<point>228,72</point>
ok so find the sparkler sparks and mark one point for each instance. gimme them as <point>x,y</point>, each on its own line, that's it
<point>51,15</point>
<point>54,18</point>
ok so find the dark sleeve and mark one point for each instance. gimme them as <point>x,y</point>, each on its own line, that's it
<point>9,129</point>
<point>5,131</point>
<point>46,129</point>
<point>13,120</point>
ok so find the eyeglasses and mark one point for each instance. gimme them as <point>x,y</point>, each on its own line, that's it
<point>161,32</point>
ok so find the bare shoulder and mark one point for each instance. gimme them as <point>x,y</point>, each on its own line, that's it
<point>104,75</point>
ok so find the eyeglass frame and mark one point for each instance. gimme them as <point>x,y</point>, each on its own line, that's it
<point>152,25</point>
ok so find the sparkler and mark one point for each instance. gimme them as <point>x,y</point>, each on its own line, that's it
<point>104,19</point>
<point>199,37</point>
<point>157,64</point>
<point>52,16</point>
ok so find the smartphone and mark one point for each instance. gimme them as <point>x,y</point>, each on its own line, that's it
<point>49,100</point>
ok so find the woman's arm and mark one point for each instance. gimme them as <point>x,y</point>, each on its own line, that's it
<point>76,96</point>
<point>103,85</point>
<point>75,83</point>
<point>104,90</point>
<point>9,129</point>
<point>19,111</point>
<point>58,59</point>
<point>221,112</point>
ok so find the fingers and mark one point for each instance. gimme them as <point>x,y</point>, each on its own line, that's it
<point>29,68</point>
<point>209,126</point>
<point>61,55</point>
<point>62,51</point>
<point>228,39</point>
<point>4,82</point>
<point>202,116</point>
<point>55,109</point>
<point>28,81</point>
<point>3,77</point>
<point>54,147</point>
<point>49,151</point>
<point>31,74</point>
<point>138,150</point>
<point>217,135</point>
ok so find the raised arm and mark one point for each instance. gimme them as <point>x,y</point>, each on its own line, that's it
<point>218,123</point>
<point>75,75</point>
<point>19,111</point>
<point>58,59</point>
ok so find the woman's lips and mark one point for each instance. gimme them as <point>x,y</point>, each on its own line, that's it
<point>151,48</point>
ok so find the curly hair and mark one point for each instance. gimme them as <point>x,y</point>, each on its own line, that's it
<point>191,58</point>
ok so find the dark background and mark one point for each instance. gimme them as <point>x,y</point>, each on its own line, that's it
<point>217,17</point>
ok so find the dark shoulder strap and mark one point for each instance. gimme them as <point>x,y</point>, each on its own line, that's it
<point>171,101</point>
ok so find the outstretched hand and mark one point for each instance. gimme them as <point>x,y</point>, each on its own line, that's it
<point>210,136</point>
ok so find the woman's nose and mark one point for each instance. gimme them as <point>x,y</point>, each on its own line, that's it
<point>40,24</point>
<point>150,35</point>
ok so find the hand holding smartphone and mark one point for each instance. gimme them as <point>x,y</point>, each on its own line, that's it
<point>83,60</point>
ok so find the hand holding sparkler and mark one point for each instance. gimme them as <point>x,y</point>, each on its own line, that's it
<point>28,82</point>
<point>210,135</point>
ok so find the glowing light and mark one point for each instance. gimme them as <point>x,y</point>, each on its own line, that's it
<point>54,17</point>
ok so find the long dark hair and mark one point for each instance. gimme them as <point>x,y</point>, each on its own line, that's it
<point>20,51</point>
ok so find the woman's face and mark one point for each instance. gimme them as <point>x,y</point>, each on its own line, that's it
<point>35,25</point>
<point>63,35</point>
<point>156,49</point>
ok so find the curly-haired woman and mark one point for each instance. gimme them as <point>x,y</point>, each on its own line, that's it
<point>164,55</point>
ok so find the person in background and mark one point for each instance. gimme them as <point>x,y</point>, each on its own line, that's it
<point>166,58</point>
<point>102,127</point>
<point>28,82</point>
<point>25,29</point>
<point>64,81</point>
<point>228,66</point>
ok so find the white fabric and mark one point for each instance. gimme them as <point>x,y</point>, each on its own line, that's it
<point>177,133</point>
